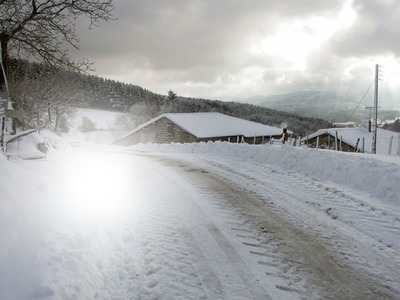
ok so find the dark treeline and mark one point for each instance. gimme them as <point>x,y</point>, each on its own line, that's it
<point>46,94</point>
<point>393,126</point>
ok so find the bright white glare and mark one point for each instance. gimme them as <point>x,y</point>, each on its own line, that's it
<point>98,186</point>
<point>295,41</point>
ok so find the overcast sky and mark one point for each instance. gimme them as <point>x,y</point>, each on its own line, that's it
<point>232,49</point>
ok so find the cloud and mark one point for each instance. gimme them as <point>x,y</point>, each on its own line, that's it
<point>223,48</point>
<point>375,31</point>
<point>185,34</point>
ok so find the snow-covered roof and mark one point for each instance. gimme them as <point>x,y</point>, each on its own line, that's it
<point>213,124</point>
<point>351,135</point>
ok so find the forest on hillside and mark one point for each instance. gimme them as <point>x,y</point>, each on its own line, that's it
<point>47,96</point>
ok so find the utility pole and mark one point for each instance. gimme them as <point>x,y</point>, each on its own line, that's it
<point>375,112</point>
<point>369,119</point>
<point>3,104</point>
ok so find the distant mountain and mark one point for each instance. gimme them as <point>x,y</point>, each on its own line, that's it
<point>327,105</point>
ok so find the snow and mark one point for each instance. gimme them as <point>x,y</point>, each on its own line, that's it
<point>104,120</point>
<point>26,147</point>
<point>105,124</point>
<point>363,173</point>
<point>92,221</point>
<point>206,125</point>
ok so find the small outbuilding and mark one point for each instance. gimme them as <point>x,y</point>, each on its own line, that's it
<point>354,139</point>
<point>201,127</point>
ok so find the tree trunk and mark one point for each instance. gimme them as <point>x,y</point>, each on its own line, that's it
<point>57,117</point>
<point>49,114</point>
<point>4,54</point>
<point>4,65</point>
<point>37,121</point>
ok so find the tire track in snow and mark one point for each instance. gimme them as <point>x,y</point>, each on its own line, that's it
<point>165,260</point>
<point>166,248</point>
<point>174,223</point>
<point>196,241</point>
<point>331,201</point>
<point>266,252</point>
<point>280,279</point>
<point>214,258</point>
<point>325,237</point>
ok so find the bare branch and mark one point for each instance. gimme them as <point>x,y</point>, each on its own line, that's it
<point>39,28</point>
<point>44,92</point>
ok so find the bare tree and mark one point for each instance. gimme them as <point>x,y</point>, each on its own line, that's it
<point>39,28</point>
<point>45,94</point>
<point>63,92</point>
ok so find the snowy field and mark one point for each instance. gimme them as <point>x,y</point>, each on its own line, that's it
<point>197,221</point>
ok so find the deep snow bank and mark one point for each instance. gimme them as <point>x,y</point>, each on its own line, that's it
<point>363,173</point>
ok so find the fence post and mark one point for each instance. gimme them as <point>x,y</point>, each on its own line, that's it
<point>363,145</point>
<point>390,145</point>
<point>336,141</point>
<point>317,144</point>
<point>358,141</point>
<point>398,145</point>
<point>3,123</point>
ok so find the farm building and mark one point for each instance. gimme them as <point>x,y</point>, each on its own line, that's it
<point>355,139</point>
<point>198,127</point>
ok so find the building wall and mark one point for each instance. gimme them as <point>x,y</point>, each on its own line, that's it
<point>166,131</point>
<point>162,131</point>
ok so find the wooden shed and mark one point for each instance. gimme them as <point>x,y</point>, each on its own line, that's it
<point>354,139</point>
<point>198,127</point>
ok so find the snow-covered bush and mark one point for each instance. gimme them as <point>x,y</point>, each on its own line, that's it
<point>87,125</point>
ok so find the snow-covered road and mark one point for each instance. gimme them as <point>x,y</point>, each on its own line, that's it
<point>117,224</point>
<point>316,237</point>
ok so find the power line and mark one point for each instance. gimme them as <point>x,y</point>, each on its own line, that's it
<point>362,99</point>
